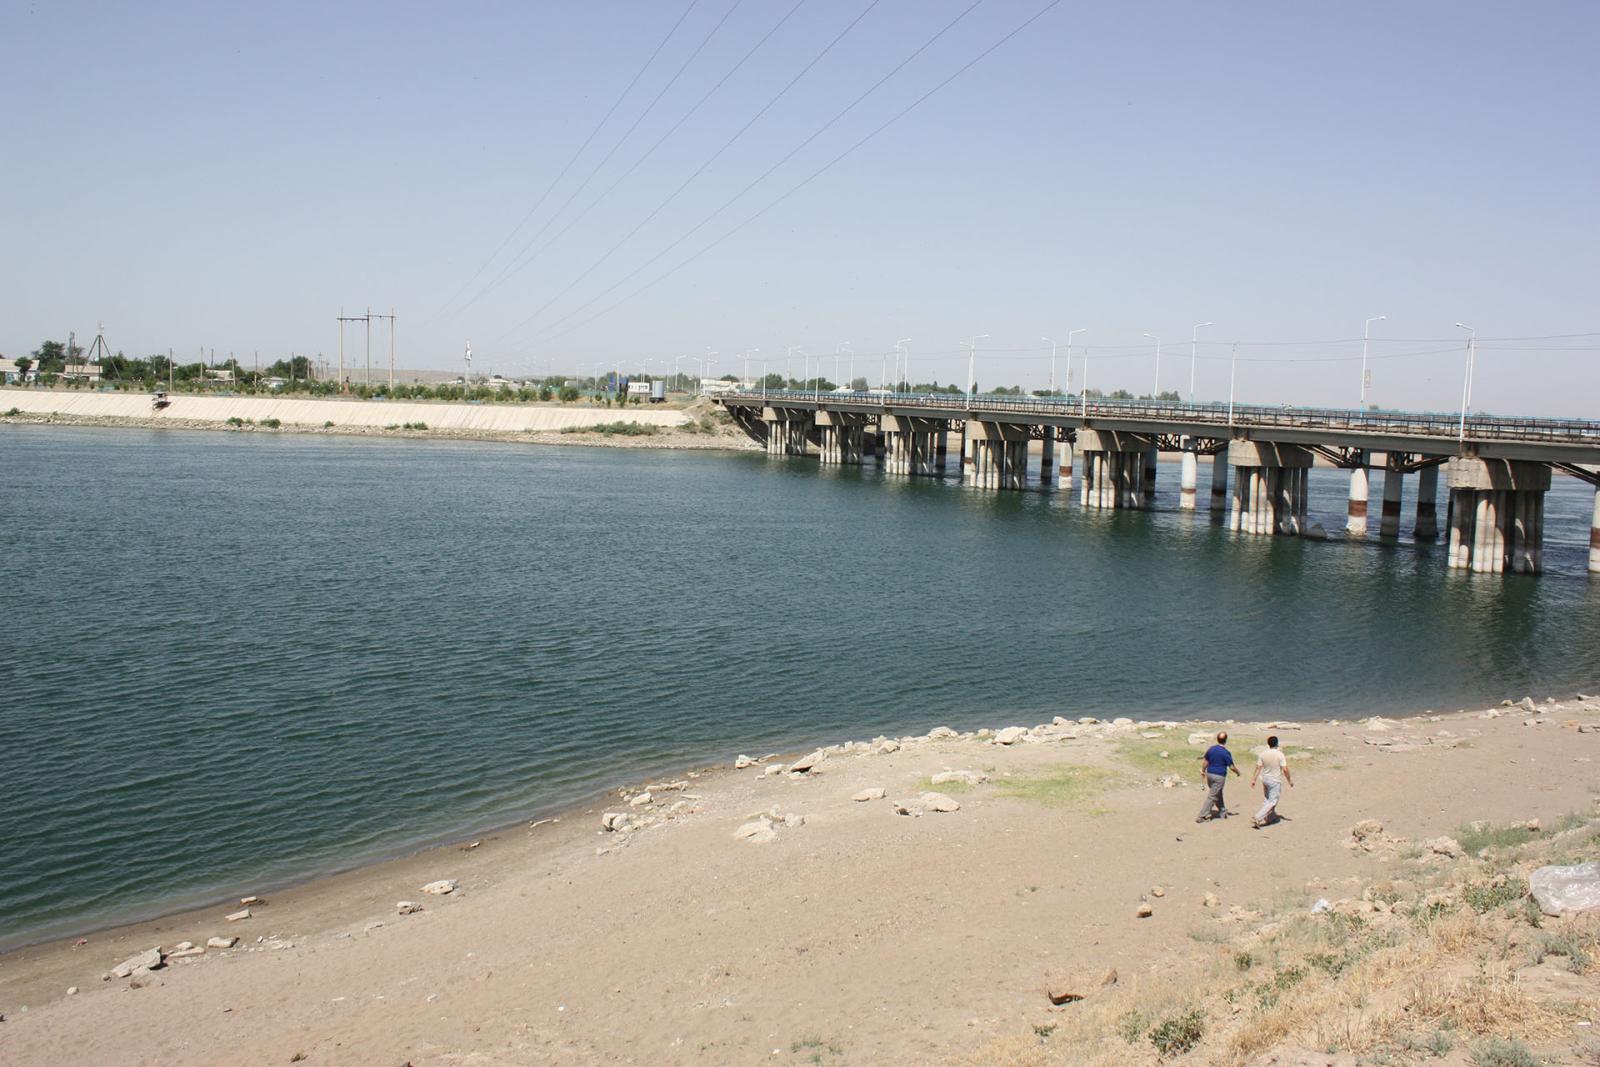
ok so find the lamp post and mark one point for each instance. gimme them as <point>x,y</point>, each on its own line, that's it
<point>747,354</point>
<point>972,365</point>
<point>841,346</point>
<point>1084,399</point>
<point>1070,335</point>
<point>1156,392</point>
<point>1466,386</point>
<point>1194,346</point>
<point>900,346</point>
<point>788,352</point>
<point>1366,334</point>
<point>1052,341</point>
<point>1233,371</point>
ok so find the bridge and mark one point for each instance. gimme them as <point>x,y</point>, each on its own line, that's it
<point>1497,469</point>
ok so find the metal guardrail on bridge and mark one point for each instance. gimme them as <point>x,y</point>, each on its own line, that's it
<point>1428,424</point>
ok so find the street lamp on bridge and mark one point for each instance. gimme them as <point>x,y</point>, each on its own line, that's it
<point>1194,346</point>
<point>843,346</point>
<point>905,370</point>
<point>1070,335</point>
<point>1466,386</point>
<point>1366,334</point>
<point>972,365</point>
<point>1156,392</point>
<point>1052,341</point>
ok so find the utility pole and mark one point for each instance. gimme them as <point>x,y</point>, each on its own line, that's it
<point>390,317</point>
<point>343,318</point>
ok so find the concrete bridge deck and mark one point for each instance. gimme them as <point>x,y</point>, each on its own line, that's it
<point>1498,468</point>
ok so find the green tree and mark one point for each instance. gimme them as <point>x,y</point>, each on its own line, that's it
<point>23,365</point>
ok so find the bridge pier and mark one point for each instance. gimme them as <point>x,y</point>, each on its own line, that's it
<point>999,455</point>
<point>843,438</point>
<point>1147,487</point>
<point>1065,470</point>
<point>1496,515</point>
<point>942,449</point>
<point>1113,469</point>
<point>1393,482</point>
<point>1219,481</point>
<point>1047,457</point>
<point>1188,480</point>
<point>1355,523</point>
<point>1594,535</point>
<point>787,431</point>
<point>1270,487</point>
<point>910,444</point>
<point>1427,528</point>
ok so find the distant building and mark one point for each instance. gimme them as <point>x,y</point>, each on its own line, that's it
<point>639,389</point>
<point>220,374</point>
<point>9,374</point>
<point>274,383</point>
<point>87,372</point>
<point>712,386</point>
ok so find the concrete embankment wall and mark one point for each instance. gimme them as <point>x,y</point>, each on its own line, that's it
<point>299,411</point>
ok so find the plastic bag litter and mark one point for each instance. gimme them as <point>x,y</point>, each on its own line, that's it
<point>1321,906</point>
<point>1560,890</point>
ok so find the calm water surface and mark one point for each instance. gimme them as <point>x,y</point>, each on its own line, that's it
<point>235,660</point>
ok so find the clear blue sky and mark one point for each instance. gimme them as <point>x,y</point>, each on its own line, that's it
<point>226,176</point>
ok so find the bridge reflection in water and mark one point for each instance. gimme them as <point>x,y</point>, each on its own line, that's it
<point>1497,470</point>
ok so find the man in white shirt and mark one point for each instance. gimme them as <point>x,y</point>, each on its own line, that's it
<point>1272,768</point>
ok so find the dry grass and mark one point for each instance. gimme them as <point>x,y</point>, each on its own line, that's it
<point>1429,964</point>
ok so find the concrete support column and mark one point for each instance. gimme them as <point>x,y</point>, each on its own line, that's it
<point>1147,483</point>
<point>1065,470</point>
<point>1496,515</point>
<point>1594,535</point>
<point>1047,457</point>
<point>1389,522</point>
<point>1270,488</point>
<point>1355,523</point>
<point>943,447</point>
<point>1188,481</point>
<point>1427,528</point>
<point>1219,481</point>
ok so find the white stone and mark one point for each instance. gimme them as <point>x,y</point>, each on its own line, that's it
<point>742,762</point>
<point>776,768</point>
<point>1088,720</point>
<point>1201,739</point>
<point>182,954</point>
<point>1010,735</point>
<point>183,946</point>
<point>442,887</point>
<point>1122,722</point>
<point>939,732</point>
<point>239,915</point>
<point>148,960</point>
<point>72,990</point>
<point>641,800</point>
<point>1145,911</point>
<point>793,821</point>
<point>876,792</point>
<point>245,902</point>
<point>888,747</point>
<point>221,942</point>
<point>407,907</point>
<point>1445,846</point>
<point>960,777</point>
<point>1210,901</point>
<point>615,820</point>
<point>758,832</point>
<point>939,802</point>
<point>1528,704</point>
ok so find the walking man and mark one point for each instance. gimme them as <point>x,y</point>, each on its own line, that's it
<point>1273,769</point>
<point>1215,765</point>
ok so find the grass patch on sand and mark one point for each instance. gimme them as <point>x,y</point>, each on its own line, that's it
<point>1183,759</point>
<point>1061,787</point>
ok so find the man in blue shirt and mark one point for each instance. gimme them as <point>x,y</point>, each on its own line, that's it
<point>1215,765</point>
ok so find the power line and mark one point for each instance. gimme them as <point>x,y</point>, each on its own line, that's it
<point>663,138</point>
<point>816,173</point>
<point>521,260</point>
<point>575,156</point>
<point>699,170</point>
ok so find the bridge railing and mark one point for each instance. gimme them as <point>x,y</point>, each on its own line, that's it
<point>1431,424</point>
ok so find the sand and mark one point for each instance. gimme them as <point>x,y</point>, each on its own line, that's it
<point>861,936</point>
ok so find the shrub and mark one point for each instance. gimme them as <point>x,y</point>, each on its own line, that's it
<point>1505,1052</point>
<point>13,413</point>
<point>237,421</point>
<point>328,425</point>
<point>1179,1034</point>
<point>568,394</point>
<point>1243,961</point>
<point>623,429</point>
<point>416,426</point>
<point>272,424</point>
<point>1486,896</point>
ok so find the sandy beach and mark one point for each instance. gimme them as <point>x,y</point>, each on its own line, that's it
<point>760,914</point>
